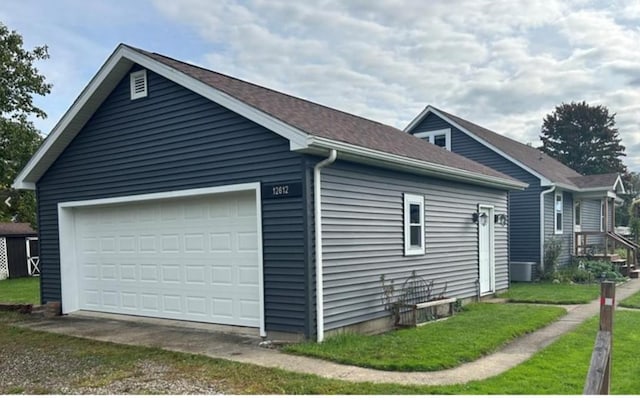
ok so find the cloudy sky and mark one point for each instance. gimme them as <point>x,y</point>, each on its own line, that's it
<point>501,64</point>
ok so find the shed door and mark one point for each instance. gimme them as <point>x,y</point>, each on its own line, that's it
<point>188,259</point>
<point>485,249</point>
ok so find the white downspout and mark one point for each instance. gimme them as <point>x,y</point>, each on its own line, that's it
<point>317,213</point>
<point>542,194</point>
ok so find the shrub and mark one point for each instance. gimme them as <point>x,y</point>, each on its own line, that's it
<point>602,269</point>
<point>552,250</point>
<point>587,271</point>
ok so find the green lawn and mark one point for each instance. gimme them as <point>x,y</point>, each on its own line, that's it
<point>560,369</point>
<point>552,293</point>
<point>632,301</point>
<point>479,329</point>
<point>20,290</point>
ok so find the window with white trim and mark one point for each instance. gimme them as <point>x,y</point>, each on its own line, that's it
<point>441,138</point>
<point>138,82</point>
<point>413,224</point>
<point>558,212</point>
<point>603,214</point>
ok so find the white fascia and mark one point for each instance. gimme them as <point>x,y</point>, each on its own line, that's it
<point>429,109</point>
<point>95,92</point>
<point>411,165</point>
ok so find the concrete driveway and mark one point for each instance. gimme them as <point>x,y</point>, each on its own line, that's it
<point>205,340</point>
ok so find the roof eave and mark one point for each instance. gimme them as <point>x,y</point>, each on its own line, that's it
<point>101,85</point>
<point>544,181</point>
<point>406,164</point>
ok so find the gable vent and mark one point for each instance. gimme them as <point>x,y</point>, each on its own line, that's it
<point>138,84</point>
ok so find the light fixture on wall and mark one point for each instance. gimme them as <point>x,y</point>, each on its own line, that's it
<point>480,217</point>
<point>500,219</point>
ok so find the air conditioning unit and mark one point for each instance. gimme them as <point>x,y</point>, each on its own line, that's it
<point>522,271</point>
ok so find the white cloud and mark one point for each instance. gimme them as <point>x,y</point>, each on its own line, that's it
<point>503,64</point>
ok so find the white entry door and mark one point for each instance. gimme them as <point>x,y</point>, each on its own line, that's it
<point>485,249</point>
<point>192,259</point>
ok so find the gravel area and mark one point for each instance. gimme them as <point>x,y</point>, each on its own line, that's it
<point>38,371</point>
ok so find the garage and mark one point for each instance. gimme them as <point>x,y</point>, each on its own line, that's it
<point>190,255</point>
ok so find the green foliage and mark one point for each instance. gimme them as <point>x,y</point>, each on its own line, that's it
<point>584,138</point>
<point>587,271</point>
<point>552,251</point>
<point>19,81</point>
<point>634,225</point>
<point>573,274</point>
<point>600,269</point>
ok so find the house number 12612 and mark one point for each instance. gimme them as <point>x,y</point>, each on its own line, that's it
<point>280,190</point>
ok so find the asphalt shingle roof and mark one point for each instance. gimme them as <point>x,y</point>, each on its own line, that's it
<point>549,167</point>
<point>17,228</point>
<point>322,121</point>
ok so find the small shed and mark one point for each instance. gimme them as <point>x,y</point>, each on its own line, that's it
<point>19,253</point>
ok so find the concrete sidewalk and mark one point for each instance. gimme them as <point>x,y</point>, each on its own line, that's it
<point>244,348</point>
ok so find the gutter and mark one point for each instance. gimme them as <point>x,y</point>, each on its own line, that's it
<point>317,214</point>
<point>542,194</point>
<point>412,165</point>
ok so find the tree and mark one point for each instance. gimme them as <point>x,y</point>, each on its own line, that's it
<point>626,212</point>
<point>584,138</point>
<point>19,82</point>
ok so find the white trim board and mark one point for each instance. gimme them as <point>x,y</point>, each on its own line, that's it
<point>430,109</point>
<point>121,61</point>
<point>101,85</point>
<point>66,223</point>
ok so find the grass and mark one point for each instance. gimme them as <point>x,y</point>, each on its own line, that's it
<point>632,301</point>
<point>559,369</point>
<point>551,293</point>
<point>478,330</point>
<point>20,290</point>
<point>562,367</point>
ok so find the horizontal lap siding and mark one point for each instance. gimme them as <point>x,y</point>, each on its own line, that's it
<point>567,224</point>
<point>175,140</point>
<point>362,230</point>
<point>591,220</point>
<point>524,206</point>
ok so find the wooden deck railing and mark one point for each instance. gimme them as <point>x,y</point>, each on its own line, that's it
<point>599,376</point>
<point>608,241</point>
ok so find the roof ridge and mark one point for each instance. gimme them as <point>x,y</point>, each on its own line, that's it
<point>267,88</point>
<point>511,141</point>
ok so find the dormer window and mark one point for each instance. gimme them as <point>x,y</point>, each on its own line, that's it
<point>138,80</point>
<point>441,138</point>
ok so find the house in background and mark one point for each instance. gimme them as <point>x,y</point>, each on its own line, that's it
<point>172,191</point>
<point>18,250</point>
<point>558,203</point>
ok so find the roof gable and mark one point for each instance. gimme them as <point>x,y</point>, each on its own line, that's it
<point>548,169</point>
<point>308,126</point>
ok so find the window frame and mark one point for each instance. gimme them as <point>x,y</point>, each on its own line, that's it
<point>409,249</point>
<point>602,215</point>
<point>430,136</point>
<point>557,212</point>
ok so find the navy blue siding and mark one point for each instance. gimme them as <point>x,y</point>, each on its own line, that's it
<point>173,140</point>
<point>524,206</point>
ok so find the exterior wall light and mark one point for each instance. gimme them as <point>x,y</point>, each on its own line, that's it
<point>500,219</point>
<point>482,218</point>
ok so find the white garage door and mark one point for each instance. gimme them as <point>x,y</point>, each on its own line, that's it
<point>188,259</point>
